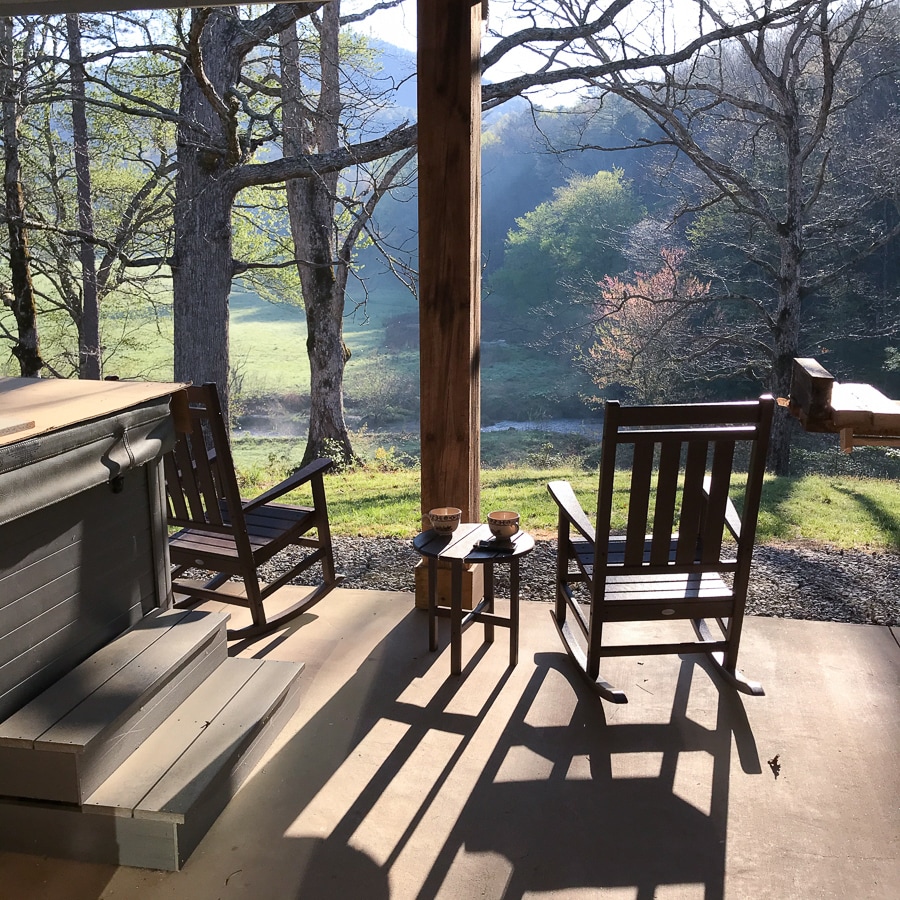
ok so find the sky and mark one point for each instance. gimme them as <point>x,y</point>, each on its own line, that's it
<point>394,26</point>
<point>398,26</point>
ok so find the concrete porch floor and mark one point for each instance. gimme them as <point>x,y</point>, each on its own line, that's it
<point>394,780</point>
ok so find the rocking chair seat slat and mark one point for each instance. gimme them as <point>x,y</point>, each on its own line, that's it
<point>267,534</point>
<point>686,585</point>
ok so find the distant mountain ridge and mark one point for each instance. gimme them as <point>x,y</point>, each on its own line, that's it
<point>399,68</point>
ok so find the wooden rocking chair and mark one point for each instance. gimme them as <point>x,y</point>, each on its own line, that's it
<point>224,534</point>
<point>680,471</point>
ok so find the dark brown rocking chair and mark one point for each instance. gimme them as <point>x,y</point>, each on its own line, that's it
<point>224,534</point>
<point>681,461</point>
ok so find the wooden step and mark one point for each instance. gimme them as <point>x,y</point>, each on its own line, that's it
<point>66,742</point>
<point>155,808</point>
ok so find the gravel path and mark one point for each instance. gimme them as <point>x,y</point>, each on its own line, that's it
<point>790,580</point>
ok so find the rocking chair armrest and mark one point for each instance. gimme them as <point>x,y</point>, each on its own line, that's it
<point>732,519</point>
<point>562,493</point>
<point>315,469</point>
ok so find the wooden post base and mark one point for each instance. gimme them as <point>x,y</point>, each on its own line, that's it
<point>472,585</point>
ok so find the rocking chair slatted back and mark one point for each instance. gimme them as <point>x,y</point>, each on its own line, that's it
<point>680,474</point>
<point>201,481</point>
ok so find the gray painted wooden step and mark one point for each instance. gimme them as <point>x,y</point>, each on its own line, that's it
<point>66,741</point>
<point>154,810</point>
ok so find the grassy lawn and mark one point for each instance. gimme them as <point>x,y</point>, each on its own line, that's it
<point>847,512</point>
<point>268,340</point>
<point>543,386</point>
<point>268,356</point>
<point>852,513</point>
<point>846,507</point>
<point>268,345</point>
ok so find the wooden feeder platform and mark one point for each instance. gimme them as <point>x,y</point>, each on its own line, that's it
<point>859,413</point>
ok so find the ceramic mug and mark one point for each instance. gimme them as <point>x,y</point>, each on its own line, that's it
<point>445,519</point>
<point>503,524</point>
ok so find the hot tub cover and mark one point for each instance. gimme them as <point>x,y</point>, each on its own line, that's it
<point>64,437</point>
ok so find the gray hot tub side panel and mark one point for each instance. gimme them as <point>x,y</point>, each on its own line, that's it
<point>82,544</point>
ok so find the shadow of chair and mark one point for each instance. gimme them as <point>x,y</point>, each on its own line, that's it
<point>224,534</point>
<point>396,765</point>
<point>671,563</point>
<point>639,805</point>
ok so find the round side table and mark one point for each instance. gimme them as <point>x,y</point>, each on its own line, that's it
<point>472,543</point>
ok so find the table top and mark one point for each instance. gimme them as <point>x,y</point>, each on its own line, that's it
<point>462,544</point>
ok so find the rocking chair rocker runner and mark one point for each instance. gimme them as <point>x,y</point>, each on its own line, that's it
<point>681,461</point>
<point>224,534</point>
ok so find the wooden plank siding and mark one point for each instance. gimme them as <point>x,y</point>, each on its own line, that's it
<point>67,741</point>
<point>156,807</point>
<point>72,577</point>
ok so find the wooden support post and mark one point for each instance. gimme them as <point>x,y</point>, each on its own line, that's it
<point>472,585</point>
<point>449,101</point>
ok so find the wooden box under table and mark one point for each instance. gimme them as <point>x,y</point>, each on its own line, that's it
<point>83,552</point>
<point>472,585</point>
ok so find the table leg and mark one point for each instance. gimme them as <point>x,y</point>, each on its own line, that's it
<point>456,617</point>
<point>489,600</point>
<point>513,612</point>
<point>432,605</point>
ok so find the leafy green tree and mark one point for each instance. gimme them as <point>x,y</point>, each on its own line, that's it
<point>89,362</point>
<point>324,239</point>
<point>575,235</point>
<point>224,65</point>
<point>15,66</point>
<point>529,152</point>
<point>221,133</point>
<point>121,225</point>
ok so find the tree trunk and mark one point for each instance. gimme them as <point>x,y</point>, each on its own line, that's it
<point>89,361</point>
<point>786,328</point>
<point>202,266</point>
<point>201,280</point>
<point>311,209</point>
<point>327,356</point>
<point>787,346</point>
<point>27,348</point>
<point>213,160</point>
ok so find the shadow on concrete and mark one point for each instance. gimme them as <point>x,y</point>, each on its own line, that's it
<point>605,830</point>
<point>577,819</point>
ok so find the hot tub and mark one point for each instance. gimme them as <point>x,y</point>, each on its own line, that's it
<point>83,549</point>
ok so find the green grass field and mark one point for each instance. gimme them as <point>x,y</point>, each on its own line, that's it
<point>268,341</point>
<point>381,499</point>
<point>268,356</point>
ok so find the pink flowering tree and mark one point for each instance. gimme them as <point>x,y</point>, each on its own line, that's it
<point>647,334</point>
